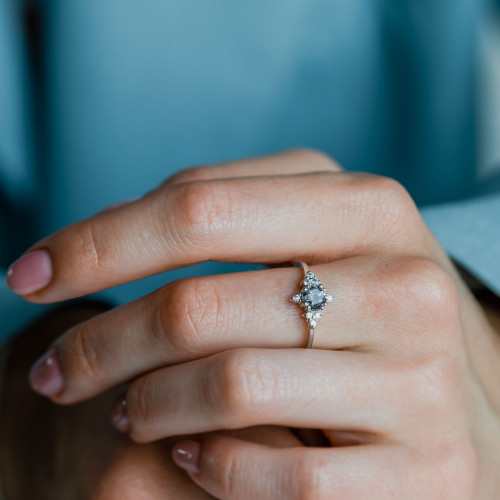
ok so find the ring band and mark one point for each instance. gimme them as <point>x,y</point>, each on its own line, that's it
<point>314,298</point>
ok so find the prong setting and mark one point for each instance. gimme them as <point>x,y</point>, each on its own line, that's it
<point>313,297</point>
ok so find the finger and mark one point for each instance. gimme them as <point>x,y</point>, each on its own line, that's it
<point>147,471</point>
<point>315,217</point>
<point>291,162</point>
<point>144,472</point>
<point>271,435</point>
<point>230,468</point>
<point>246,387</point>
<point>36,271</point>
<point>377,305</point>
<point>283,163</point>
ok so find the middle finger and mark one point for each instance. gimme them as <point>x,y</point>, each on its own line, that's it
<point>197,317</point>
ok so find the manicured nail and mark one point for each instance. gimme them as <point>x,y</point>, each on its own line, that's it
<point>116,205</point>
<point>45,375</point>
<point>30,273</point>
<point>119,415</point>
<point>186,455</point>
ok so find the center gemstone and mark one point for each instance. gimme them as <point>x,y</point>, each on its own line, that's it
<point>316,297</point>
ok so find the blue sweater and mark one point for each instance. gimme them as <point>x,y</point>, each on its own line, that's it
<point>102,100</point>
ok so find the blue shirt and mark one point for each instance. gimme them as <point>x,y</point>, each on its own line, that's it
<point>117,95</point>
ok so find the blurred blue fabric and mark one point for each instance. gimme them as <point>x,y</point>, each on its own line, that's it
<point>102,100</point>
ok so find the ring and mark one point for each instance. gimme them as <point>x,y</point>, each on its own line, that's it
<point>314,298</point>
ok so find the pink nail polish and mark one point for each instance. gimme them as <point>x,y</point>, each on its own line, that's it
<point>30,273</point>
<point>114,206</point>
<point>45,375</point>
<point>119,415</point>
<point>186,455</point>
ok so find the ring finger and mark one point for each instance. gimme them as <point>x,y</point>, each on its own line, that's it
<point>197,317</point>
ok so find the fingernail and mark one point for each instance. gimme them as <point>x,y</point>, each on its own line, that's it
<point>30,273</point>
<point>186,455</point>
<point>119,415</point>
<point>45,375</point>
<point>114,206</point>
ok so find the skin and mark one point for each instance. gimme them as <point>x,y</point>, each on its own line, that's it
<point>402,377</point>
<point>75,453</point>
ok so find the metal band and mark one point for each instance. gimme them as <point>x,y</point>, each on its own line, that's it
<point>310,330</point>
<point>314,298</point>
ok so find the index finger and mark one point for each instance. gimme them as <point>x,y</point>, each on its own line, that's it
<point>315,217</point>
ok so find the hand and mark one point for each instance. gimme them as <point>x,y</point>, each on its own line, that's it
<point>50,452</point>
<point>405,363</point>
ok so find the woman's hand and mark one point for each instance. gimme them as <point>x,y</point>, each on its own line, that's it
<point>404,364</point>
<point>50,452</point>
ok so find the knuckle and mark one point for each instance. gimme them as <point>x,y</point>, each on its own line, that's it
<point>139,408</point>
<point>84,352</point>
<point>190,314</point>
<point>390,188</point>
<point>313,480</point>
<point>208,209</point>
<point>432,385</point>
<point>229,468</point>
<point>456,466</point>
<point>316,158</point>
<point>389,201</point>
<point>436,384</point>
<point>92,252</point>
<point>191,174</point>
<point>421,291</point>
<point>432,290</point>
<point>239,386</point>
